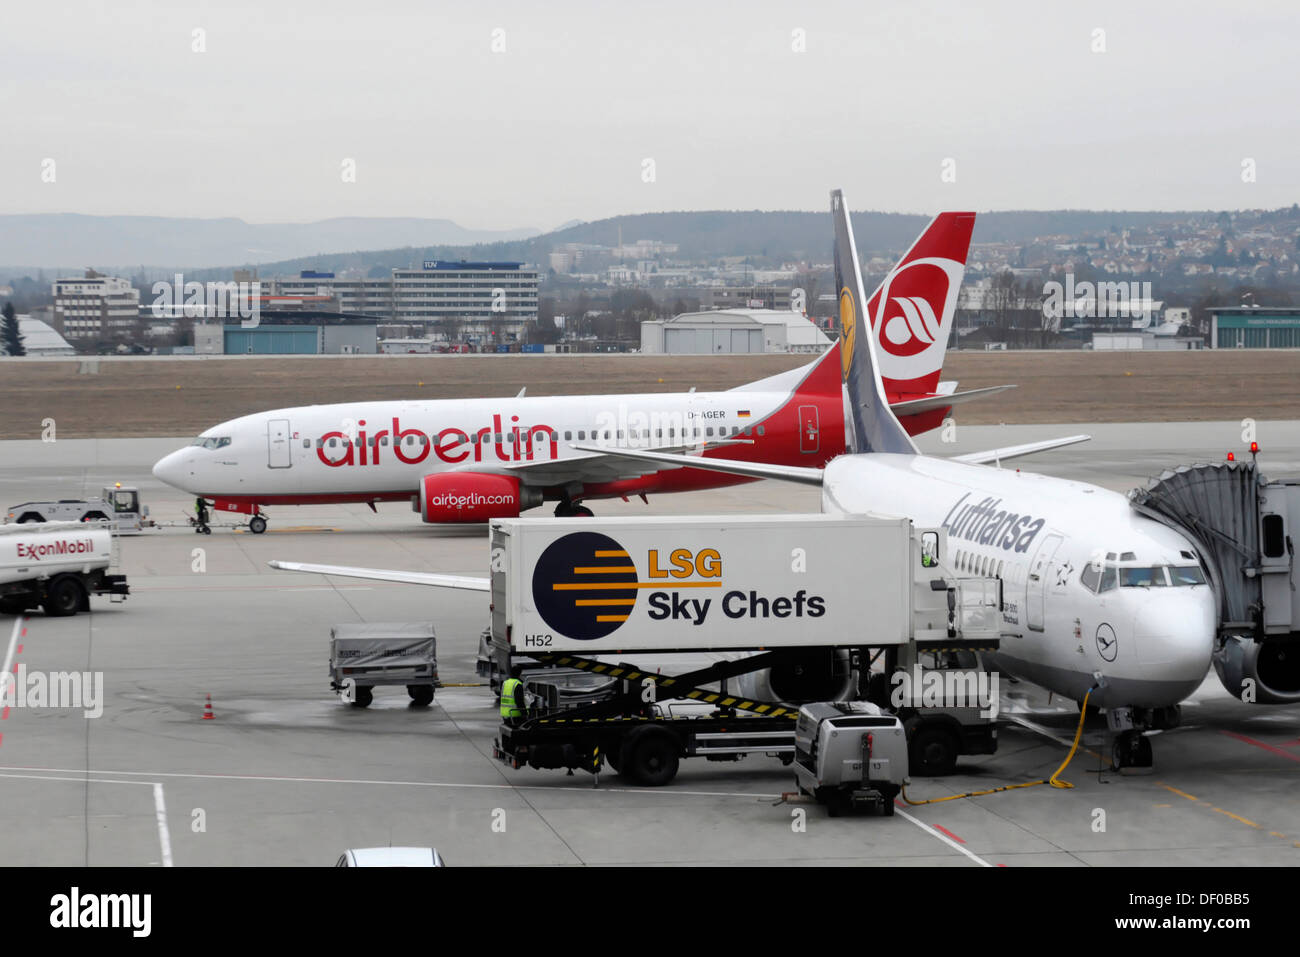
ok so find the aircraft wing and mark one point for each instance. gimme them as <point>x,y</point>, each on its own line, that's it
<point>387,575</point>
<point>604,464</point>
<point>791,473</point>
<point>1015,451</point>
<point>930,402</point>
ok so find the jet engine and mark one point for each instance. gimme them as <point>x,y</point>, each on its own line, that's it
<point>1263,672</point>
<point>449,497</point>
<point>825,674</point>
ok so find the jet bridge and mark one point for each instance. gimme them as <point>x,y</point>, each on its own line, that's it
<point>1243,524</point>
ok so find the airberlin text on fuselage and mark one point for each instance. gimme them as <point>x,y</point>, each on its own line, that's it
<point>513,444</point>
<point>987,524</point>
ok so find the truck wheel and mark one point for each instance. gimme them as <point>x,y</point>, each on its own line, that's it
<point>257,524</point>
<point>30,517</point>
<point>63,597</point>
<point>652,756</point>
<point>94,517</point>
<point>613,758</point>
<point>933,752</point>
<point>362,695</point>
<point>887,802</point>
<point>421,695</point>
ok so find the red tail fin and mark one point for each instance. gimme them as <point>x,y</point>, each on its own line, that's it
<point>912,310</point>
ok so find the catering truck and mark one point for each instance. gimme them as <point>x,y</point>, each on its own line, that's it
<point>763,613</point>
<point>57,566</point>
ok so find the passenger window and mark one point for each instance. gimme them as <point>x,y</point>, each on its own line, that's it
<point>568,436</point>
<point>709,431</point>
<point>760,430</point>
<point>306,443</point>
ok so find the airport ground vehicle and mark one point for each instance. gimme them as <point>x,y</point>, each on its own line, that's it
<point>116,503</point>
<point>850,754</point>
<point>365,656</point>
<point>751,605</point>
<point>391,857</point>
<point>57,566</point>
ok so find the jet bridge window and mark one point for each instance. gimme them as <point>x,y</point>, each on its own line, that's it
<point>1274,536</point>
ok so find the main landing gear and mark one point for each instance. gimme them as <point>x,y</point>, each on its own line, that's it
<point>570,509</point>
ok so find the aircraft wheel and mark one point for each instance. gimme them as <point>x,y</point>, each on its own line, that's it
<point>257,524</point>
<point>581,511</point>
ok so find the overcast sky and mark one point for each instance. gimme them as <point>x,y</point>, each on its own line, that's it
<point>559,125</point>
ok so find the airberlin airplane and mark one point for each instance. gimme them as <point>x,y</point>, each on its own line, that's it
<point>476,459</point>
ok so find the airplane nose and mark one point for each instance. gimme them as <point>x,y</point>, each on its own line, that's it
<point>171,469</point>
<point>1174,631</point>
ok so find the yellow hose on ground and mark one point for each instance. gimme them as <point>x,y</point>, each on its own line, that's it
<point>1054,780</point>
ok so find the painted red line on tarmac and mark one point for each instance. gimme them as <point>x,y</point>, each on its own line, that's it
<point>4,714</point>
<point>1261,744</point>
<point>940,827</point>
<point>19,649</point>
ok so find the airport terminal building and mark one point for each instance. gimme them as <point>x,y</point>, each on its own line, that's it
<point>1251,327</point>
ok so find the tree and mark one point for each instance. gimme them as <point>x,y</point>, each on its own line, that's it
<point>10,338</point>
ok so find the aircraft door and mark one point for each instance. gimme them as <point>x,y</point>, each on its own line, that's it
<point>1036,586</point>
<point>279,453</point>
<point>809,431</point>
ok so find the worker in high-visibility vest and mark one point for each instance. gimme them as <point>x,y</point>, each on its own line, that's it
<point>513,700</point>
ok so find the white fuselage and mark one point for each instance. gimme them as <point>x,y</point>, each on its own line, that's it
<point>1151,645</point>
<point>362,450</point>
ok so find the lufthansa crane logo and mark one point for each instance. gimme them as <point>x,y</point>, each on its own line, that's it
<point>848,330</point>
<point>1107,643</point>
<point>585,585</point>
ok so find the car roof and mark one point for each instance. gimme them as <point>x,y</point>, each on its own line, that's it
<point>395,857</point>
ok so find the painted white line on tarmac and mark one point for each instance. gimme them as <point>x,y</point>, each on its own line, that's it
<point>5,675</point>
<point>943,837</point>
<point>269,779</point>
<point>164,837</point>
<point>159,804</point>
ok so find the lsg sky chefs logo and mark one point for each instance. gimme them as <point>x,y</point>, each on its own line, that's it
<point>213,300</point>
<point>585,585</point>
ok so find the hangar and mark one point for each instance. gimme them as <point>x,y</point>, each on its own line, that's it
<point>733,331</point>
<point>1254,327</point>
<point>294,333</point>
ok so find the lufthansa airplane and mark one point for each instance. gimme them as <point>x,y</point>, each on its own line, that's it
<point>473,460</point>
<point>1095,596</point>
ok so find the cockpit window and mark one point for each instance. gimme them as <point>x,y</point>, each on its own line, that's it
<point>212,441</point>
<point>1143,576</point>
<point>1186,575</point>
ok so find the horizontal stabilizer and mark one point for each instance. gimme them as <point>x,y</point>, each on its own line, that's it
<point>790,473</point>
<point>931,402</point>
<point>1015,451</point>
<point>387,575</point>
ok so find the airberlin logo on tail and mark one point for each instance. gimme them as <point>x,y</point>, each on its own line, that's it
<point>912,316</point>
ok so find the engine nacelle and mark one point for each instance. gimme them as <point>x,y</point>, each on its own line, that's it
<point>1267,672</point>
<point>448,497</point>
<point>822,675</point>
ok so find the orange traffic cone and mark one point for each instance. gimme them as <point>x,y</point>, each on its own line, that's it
<point>207,710</point>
